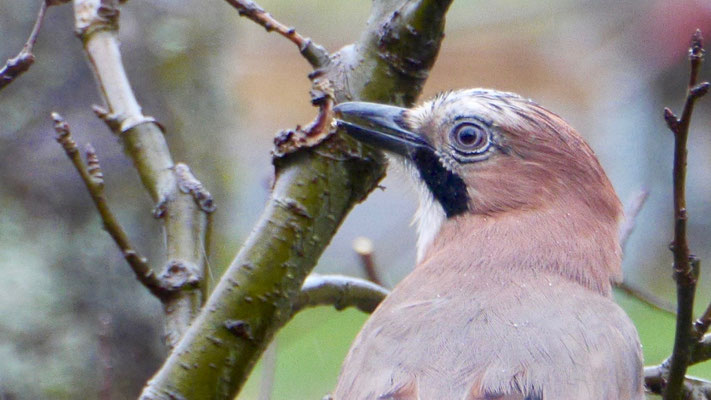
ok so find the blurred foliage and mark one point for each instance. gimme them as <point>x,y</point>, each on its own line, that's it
<point>222,87</point>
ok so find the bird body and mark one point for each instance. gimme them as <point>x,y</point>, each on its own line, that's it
<point>511,294</point>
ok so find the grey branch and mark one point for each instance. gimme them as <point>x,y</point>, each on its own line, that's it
<point>692,388</point>
<point>364,248</point>
<point>92,176</point>
<point>21,63</point>
<point>632,209</point>
<point>339,291</point>
<point>185,221</point>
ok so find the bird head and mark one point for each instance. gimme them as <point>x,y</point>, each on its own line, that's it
<point>488,153</point>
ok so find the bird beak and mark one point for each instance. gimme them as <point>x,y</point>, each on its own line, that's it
<point>379,125</point>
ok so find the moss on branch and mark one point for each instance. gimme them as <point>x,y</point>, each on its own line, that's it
<point>314,191</point>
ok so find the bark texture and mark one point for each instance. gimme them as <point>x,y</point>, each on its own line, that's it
<point>314,191</point>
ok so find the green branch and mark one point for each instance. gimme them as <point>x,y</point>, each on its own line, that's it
<point>314,191</point>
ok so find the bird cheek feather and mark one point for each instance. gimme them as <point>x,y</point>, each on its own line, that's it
<point>503,184</point>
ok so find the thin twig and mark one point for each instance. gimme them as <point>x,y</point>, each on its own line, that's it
<point>18,65</point>
<point>184,220</point>
<point>632,209</point>
<point>315,54</point>
<point>692,387</point>
<point>701,326</point>
<point>364,248</point>
<point>685,265</point>
<point>647,297</point>
<point>94,181</point>
<point>339,291</point>
<point>105,356</point>
<point>701,351</point>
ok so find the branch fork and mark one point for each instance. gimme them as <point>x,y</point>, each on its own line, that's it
<point>312,194</point>
<point>182,203</point>
<point>93,178</point>
<point>673,382</point>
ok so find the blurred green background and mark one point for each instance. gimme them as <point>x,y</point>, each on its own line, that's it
<point>74,322</point>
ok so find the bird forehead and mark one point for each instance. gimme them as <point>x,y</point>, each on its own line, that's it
<point>490,107</point>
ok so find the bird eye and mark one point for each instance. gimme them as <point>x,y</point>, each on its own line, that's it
<point>470,138</point>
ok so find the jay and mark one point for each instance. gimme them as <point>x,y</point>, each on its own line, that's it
<point>518,246</point>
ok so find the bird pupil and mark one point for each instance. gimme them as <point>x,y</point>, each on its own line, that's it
<point>469,137</point>
<point>469,140</point>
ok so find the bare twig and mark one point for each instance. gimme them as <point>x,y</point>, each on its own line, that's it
<point>19,64</point>
<point>686,266</point>
<point>184,214</point>
<point>632,209</point>
<point>315,54</point>
<point>701,326</point>
<point>647,297</point>
<point>339,291</point>
<point>364,248</point>
<point>701,351</point>
<point>105,356</point>
<point>93,179</point>
<point>692,388</point>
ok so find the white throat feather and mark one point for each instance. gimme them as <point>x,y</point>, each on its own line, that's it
<point>429,218</point>
<point>430,214</point>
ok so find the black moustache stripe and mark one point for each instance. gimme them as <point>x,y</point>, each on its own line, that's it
<point>446,186</point>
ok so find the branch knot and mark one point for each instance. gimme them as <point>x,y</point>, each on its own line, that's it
<point>180,274</point>
<point>189,184</point>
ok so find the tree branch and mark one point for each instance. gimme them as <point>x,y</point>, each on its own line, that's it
<point>94,180</point>
<point>686,266</point>
<point>701,351</point>
<point>314,190</point>
<point>19,64</point>
<point>314,53</point>
<point>632,209</point>
<point>142,137</point>
<point>364,248</point>
<point>647,297</point>
<point>339,291</point>
<point>691,389</point>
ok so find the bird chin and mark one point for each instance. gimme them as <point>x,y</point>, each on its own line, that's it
<point>430,215</point>
<point>429,218</point>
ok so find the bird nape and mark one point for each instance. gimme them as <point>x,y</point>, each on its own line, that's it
<point>517,249</point>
